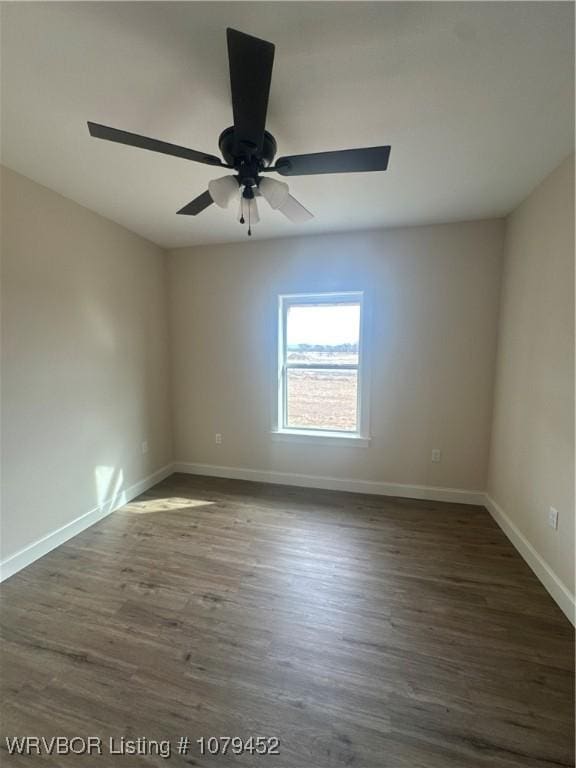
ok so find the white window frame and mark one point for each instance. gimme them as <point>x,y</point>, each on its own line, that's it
<point>283,433</point>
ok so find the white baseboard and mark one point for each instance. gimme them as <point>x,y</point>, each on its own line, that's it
<point>427,493</point>
<point>42,546</point>
<point>557,589</point>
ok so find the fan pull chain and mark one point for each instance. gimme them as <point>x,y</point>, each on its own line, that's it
<point>249,229</point>
<point>241,208</point>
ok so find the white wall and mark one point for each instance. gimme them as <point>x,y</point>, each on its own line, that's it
<point>84,361</point>
<point>532,455</point>
<point>434,295</point>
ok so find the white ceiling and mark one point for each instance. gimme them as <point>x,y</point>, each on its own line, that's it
<point>476,99</point>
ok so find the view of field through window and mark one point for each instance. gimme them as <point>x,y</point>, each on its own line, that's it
<point>322,366</point>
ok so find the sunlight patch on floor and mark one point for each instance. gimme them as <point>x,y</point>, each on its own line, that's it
<point>170,504</point>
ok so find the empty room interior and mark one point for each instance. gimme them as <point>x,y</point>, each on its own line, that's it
<point>287,384</point>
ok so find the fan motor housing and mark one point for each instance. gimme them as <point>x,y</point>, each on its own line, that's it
<point>226,143</point>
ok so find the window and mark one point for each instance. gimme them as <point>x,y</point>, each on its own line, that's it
<point>320,365</point>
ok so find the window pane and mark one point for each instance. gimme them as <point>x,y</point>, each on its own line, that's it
<point>325,333</point>
<point>322,399</point>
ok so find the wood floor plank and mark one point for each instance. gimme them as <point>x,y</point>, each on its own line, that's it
<point>359,630</point>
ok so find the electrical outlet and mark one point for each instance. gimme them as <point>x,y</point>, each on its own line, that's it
<point>553,518</point>
<point>218,438</point>
<point>436,455</point>
<point>145,446</point>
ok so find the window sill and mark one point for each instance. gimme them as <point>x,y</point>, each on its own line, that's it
<point>316,437</point>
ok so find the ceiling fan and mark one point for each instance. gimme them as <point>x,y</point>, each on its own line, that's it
<point>249,149</point>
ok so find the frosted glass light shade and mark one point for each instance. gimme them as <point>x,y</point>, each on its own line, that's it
<point>275,193</point>
<point>222,190</point>
<point>295,211</point>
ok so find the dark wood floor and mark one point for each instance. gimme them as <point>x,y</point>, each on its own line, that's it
<point>360,631</point>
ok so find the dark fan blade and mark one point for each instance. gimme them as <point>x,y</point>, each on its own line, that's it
<point>197,205</point>
<point>343,161</point>
<point>135,140</point>
<point>250,62</point>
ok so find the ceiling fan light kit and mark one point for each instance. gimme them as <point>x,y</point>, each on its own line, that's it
<point>248,148</point>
